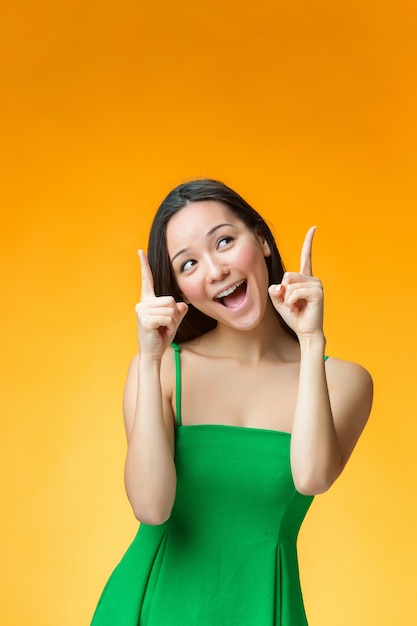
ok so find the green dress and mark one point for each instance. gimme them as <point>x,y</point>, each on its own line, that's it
<point>227,555</point>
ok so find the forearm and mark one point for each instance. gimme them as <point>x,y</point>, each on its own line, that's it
<point>316,456</point>
<point>150,476</point>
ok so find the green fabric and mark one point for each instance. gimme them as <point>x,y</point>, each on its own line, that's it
<point>227,555</point>
<point>177,351</point>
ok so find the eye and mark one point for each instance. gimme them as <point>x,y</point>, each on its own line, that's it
<point>187,265</point>
<point>224,241</point>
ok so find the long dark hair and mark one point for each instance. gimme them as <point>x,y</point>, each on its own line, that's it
<point>195,322</point>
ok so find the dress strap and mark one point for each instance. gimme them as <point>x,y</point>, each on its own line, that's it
<point>177,357</point>
<point>177,352</point>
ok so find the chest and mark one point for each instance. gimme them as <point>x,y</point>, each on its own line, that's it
<point>227,392</point>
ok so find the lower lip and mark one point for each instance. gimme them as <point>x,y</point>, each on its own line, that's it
<point>237,308</point>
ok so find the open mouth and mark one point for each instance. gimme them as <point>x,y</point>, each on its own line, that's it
<point>234,296</point>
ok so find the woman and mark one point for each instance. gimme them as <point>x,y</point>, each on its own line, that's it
<point>235,419</point>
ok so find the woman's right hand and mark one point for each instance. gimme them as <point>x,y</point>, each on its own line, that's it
<point>158,316</point>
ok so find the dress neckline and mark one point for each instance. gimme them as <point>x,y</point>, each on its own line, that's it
<point>236,428</point>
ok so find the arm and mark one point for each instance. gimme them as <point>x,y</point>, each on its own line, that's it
<point>333,404</point>
<point>333,400</point>
<point>150,476</point>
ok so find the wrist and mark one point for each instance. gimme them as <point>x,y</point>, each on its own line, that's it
<point>314,342</point>
<point>149,362</point>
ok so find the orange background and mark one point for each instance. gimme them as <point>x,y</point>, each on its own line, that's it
<point>308,110</point>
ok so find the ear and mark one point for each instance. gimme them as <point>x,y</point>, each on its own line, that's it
<point>264,245</point>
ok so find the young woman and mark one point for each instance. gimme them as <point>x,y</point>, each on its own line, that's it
<point>235,419</point>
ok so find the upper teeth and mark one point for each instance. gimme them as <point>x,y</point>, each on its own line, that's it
<point>227,292</point>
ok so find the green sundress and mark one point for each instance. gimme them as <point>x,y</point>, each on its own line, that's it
<point>227,555</point>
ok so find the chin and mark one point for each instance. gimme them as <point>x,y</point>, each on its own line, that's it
<point>247,325</point>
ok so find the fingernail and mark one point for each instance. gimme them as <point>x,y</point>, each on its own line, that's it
<point>277,288</point>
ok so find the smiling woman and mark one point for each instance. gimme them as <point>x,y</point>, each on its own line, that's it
<point>234,416</point>
<point>216,194</point>
<point>224,263</point>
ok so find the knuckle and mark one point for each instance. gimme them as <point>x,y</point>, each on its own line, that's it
<point>145,321</point>
<point>164,301</point>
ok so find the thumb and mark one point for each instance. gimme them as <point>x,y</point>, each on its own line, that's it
<point>182,309</point>
<point>276,293</point>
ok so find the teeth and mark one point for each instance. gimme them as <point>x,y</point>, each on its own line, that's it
<point>227,292</point>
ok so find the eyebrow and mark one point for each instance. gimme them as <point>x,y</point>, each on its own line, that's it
<point>208,234</point>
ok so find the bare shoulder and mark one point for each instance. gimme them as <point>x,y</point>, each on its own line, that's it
<point>348,375</point>
<point>351,394</point>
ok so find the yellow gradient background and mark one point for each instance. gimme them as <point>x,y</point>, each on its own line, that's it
<point>308,110</point>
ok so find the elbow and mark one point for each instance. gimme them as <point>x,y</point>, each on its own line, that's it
<point>314,483</point>
<point>312,487</point>
<point>151,516</point>
<point>151,510</point>
<point>151,504</point>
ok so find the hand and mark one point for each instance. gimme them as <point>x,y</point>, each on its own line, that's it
<point>158,317</point>
<point>299,298</point>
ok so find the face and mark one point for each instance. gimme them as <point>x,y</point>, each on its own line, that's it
<point>219,264</point>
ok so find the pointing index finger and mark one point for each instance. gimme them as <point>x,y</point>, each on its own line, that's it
<point>305,261</point>
<point>147,290</point>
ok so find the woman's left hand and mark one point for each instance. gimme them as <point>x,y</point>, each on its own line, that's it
<point>299,298</point>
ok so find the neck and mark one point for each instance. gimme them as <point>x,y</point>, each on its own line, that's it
<point>267,341</point>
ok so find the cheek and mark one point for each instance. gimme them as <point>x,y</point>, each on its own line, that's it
<point>246,257</point>
<point>191,290</point>
<point>252,259</point>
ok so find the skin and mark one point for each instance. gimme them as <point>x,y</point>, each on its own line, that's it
<point>324,406</point>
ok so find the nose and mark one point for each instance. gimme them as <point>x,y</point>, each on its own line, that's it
<point>216,270</point>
